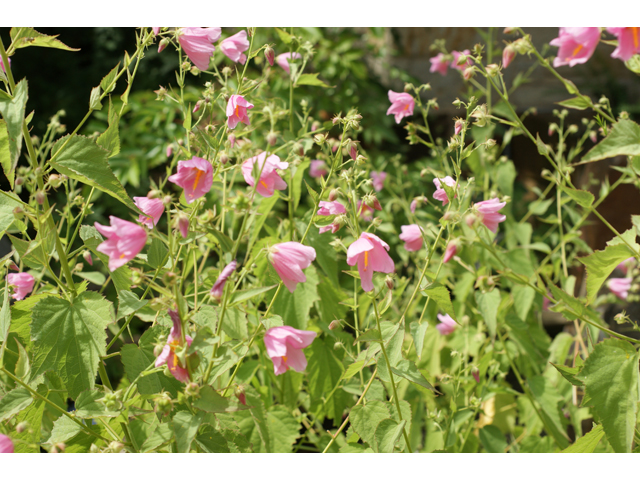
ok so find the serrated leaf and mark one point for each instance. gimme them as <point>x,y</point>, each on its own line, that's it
<point>488,304</point>
<point>365,419</point>
<point>542,148</point>
<point>324,371</point>
<point>284,36</point>
<point>418,331</point>
<point>353,369</point>
<point>110,138</point>
<point>157,253</point>
<point>577,103</point>
<point>128,303</point>
<point>569,373</point>
<point>440,294</point>
<point>22,37</point>
<point>284,429</point>
<point>12,110</point>
<point>492,439</point>
<point>623,139</point>
<point>94,99</point>
<point>241,296</point>
<point>266,204</point>
<point>387,434</point>
<point>23,367</point>
<point>581,197</point>
<point>185,428</point>
<point>5,319</point>
<point>549,399</point>
<point>89,405</point>
<point>311,79</point>
<point>13,402</point>
<point>6,159</point>
<point>586,443</point>
<point>64,429</point>
<point>296,183</point>
<point>108,81</point>
<point>225,242</point>
<point>407,369</point>
<point>600,264</point>
<point>212,402</point>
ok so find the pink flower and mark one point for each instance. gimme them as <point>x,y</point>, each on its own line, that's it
<point>378,180</point>
<point>218,287</point>
<point>169,151</point>
<point>237,111</point>
<point>197,43</point>
<point>488,211</point>
<point>284,347</point>
<point>124,241</point>
<point>288,259</point>
<point>447,324</point>
<point>458,127</point>
<point>450,251</point>
<point>508,54</point>
<point>183,225</point>
<point>577,44</point>
<point>269,178</point>
<point>366,212</point>
<point>153,209</point>
<point>440,193</point>
<point>456,56</point>
<point>283,60</point>
<point>331,208</point>
<point>401,105</point>
<point>195,176</point>
<point>412,236</point>
<point>476,376</point>
<point>318,168</point>
<point>439,64</point>
<point>2,64</point>
<point>619,287</point>
<point>626,264</point>
<point>234,45</point>
<point>6,445</point>
<point>370,253</point>
<point>22,283</point>
<point>628,42</point>
<point>414,204</point>
<point>168,355</point>
<point>156,30</point>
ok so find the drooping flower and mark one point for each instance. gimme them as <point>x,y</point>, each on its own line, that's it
<point>153,208</point>
<point>168,355</point>
<point>234,45</point>
<point>237,111</point>
<point>22,284</point>
<point>289,259</point>
<point>508,54</point>
<point>331,208</point>
<point>576,45</point>
<point>124,241</point>
<point>318,168</point>
<point>450,251</point>
<point>415,203</point>
<point>440,193</point>
<point>456,56</point>
<point>378,180</point>
<point>370,253</point>
<point>412,236</point>
<point>488,211</point>
<point>283,60</point>
<point>402,105</point>
<point>628,42</point>
<point>447,324</point>
<point>439,64</point>
<point>218,287</point>
<point>619,287</point>
<point>269,178</point>
<point>6,445</point>
<point>625,265</point>
<point>195,176</point>
<point>197,43</point>
<point>284,347</point>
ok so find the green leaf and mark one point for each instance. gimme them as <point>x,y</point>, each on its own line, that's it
<point>581,197</point>
<point>110,138</point>
<point>23,367</point>
<point>623,139</point>
<point>241,296</point>
<point>353,369</point>
<point>488,304</point>
<point>161,435</point>
<point>284,429</point>
<point>85,161</point>
<point>294,307</point>
<point>550,400</point>
<point>440,294</point>
<point>185,428</point>
<point>5,154</point>
<point>366,418</point>
<point>600,264</point>
<point>94,99</point>
<point>225,242</point>
<point>284,36</point>
<point>324,372</point>
<point>108,81</point>
<point>96,278</point>
<point>157,253</point>
<point>325,257</point>
<point>311,79</point>
<point>577,103</point>
<point>64,429</point>
<point>212,441</point>
<point>542,148</point>
<point>296,184</point>
<point>266,204</point>
<point>610,377</point>
<point>407,369</point>
<point>89,405</point>
<point>492,439</point>
<point>235,324</point>
<point>5,319</point>
<point>355,448</point>
<point>70,338</point>
<point>523,297</point>
<point>569,373</point>
<point>211,401</point>
<point>128,303</point>
<point>587,443</point>
<point>418,331</point>
<point>13,402</point>
<point>22,37</point>
<point>12,110</point>
<point>387,434</point>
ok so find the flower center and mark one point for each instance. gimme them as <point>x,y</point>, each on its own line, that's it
<point>264,184</point>
<point>634,31</point>
<point>122,256</point>
<point>198,175</point>
<point>366,259</point>
<point>237,111</point>
<point>406,107</point>
<point>576,50</point>
<point>284,359</point>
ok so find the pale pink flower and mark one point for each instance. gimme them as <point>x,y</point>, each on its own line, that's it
<point>284,347</point>
<point>508,54</point>
<point>6,445</point>
<point>237,111</point>
<point>412,236</point>
<point>124,241</point>
<point>370,253</point>
<point>269,178</point>
<point>331,208</point>
<point>576,45</point>
<point>366,212</point>
<point>218,287</point>
<point>625,265</point>
<point>234,45</point>
<point>447,324</point>
<point>440,193</point>
<point>439,64</point>
<point>414,204</point>
<point>153,208</point>
<point>333,228</point>
<point>197,43</point>
<point>22,284</point>
<point>456,56</point>
<point>378,180</point>
<point>195,176</point>
<point>619,287</point>
<point>168,355</point>
<point>288,259</point>
<point>402,105</point>
<point>628,42</point>
<point>450,251</point>
<point>283,60</point>
<point>318,168</point>
<point>488,211</point>
<point>183,225</point>
<point>169,151</point>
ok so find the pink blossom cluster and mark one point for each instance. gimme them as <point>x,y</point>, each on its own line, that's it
<point>441,62</point>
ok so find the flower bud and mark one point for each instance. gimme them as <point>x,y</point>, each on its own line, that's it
<point>169,151</point>
<point>54,180</point>
<point>269,54</point>
<point>224,158</point>
<point>192,390</point>
<point>377,222</point>
<point>320,138</point>
<point>352,148</point>
<point>226,71</point>
<point>469,72</point>
<point>389,282</point>
<point>471,220</point>
<point>240,395</point>
<point>493,69</point>
<point>195,71</point>
<point>508,54</point>
<point>155,193</point>
<point>298,148</point>
<point>360,160</point>
<point>40,197</point>
<point>170,278</point>
<point>116,447</point>
<point>19,181</point>
<point>370,200</point>
<point>315,126</point>
<point>22,426</point>
<point>458,125</point>
<point>272,138</point>
<point>508,30</point>
<point>58,447</point>
<point>232,141</point>
<point>333,195</point>
<point>163,44</point>
<point>18,212</point>
<point>593,136</point>
<point>197,107</point>
<point>94,448</point>
<point>335,324</point>
<point>182,223</point>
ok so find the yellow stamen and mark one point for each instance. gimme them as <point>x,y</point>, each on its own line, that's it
<point>198,175</point>
<point>366,260</point>
<point>406,107</point>
<point>122,256</point>
<point>284,359</point>
<point>237,112</point>
<point>576,50</point>
<point>264,184</point>
<point>634,30</point>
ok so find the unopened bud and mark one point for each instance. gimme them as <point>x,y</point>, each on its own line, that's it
<point>226,71</point>
<point>54,180</point>
<point>22,426</point>
<point>448,216</point>
<point>333,195</point>
<point>94,448</point>
<point>170,278</point>
<point>40,197</point>
<point>195,71</point>
<point>360,160</point>
<point>298,148</point>
<point>163,44</point>
<point>352,148</point>
<point>371,201</point>
<point>470,220</point>
<point>192,390</point>
<point>490,143</point>
<point>224,158</point>
<point>197,107</point>
<point>240,395</point>
<point>377,222</point>
<point>270,55</point>
<point>593,136</point>
<point>232,141</point>
<point>508,54</point>
<point>469,72</point>
<point>169,151</point>
<point>492,69</point>
<point>389,282</point>
<point>155,193</point>
<point>58,447</point>
<point>458,126</point>
<point>116,447</point>
<point>272,138</point>
<point>320,138</point>
<point>335,324</point>
<point>19,181</point>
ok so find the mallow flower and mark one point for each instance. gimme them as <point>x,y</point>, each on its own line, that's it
<point>412,236</point>
<point>447,324</point>
<point>378,180</point>
<point>269,180</point>
<point>6,445</point>
<point>318,168</point>
<point>370,253</point>
<point>284,347</point>
<point>576,45</point>
<point>402,105</point>
<point>288,259</point>
<point>237,111</point>
<point>330,208</point>
<point>439,64</point>
<point>153,208</point>
<point>283,60</point>
<point>619,287</point>
<point>440,193</point>
<point>218,287</point>
<point>628,42</point>
<point>124,241</point>
<point>488,211</point>
<point>22,284</point>
<point>456,56</point>
<point>168,355</point>
<point>234,45</point>
<point>195,176</point>
<point>197,43</point>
